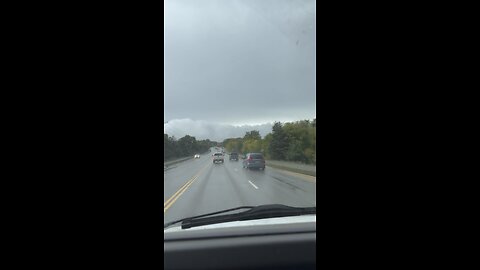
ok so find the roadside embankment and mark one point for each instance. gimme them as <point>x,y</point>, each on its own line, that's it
<point>293,167</point>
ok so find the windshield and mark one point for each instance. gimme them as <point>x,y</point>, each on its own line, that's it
<point>240,90</point>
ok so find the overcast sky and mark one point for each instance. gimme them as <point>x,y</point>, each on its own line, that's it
<point>238,62</point>
<point>202,130</point>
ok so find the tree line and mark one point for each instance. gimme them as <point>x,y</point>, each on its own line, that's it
<point>292,141</point>
<point>184,147</point>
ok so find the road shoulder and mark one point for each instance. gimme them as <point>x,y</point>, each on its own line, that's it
<point>309,178</point>
<point>292,168</point>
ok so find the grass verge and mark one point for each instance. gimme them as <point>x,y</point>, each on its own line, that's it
<point>293,169</point>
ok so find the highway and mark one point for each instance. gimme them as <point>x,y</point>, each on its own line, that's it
<point>197,186</point>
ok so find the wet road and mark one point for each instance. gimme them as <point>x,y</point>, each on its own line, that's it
<point>197,186</point>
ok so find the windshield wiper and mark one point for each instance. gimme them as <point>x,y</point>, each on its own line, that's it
<point>209,214</point>
<point>258,212</point>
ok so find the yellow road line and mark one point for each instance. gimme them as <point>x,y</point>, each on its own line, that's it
<point>179,193</point>
<point>176,198</point>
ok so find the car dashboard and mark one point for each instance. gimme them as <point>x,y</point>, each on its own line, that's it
<point>280,246</point>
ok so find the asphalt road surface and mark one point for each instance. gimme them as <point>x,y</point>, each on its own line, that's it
<point>197,186</point>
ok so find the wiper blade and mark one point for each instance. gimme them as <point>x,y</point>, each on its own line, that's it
<point>210,214</point>
<point>258,212</point>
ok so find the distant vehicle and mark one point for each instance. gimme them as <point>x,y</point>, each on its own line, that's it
<point>218,157</point>
<point>233,156</point>
<point>254,161</point>
<point>197,156</point>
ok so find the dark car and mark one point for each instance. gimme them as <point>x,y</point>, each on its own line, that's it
<point>254,161</point>
<point>233,156</point>
<point>218,157</point>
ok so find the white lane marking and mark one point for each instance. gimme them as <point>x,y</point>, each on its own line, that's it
<point>252,184</point>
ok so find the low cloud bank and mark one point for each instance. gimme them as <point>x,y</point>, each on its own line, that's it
<point>202,130</point>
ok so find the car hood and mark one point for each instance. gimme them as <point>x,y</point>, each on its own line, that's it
<point>260,222</point>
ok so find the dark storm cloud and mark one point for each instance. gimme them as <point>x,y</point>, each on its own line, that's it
<point>239,61</point>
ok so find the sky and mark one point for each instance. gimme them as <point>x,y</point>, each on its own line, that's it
<point>202,130</point>
<point>233,63</point>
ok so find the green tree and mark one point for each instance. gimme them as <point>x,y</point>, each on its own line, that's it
<point>293,141</point>
<point>252,146</point>
<point>187,145</point>
<point>301,140</point>
<point>279,142</point>
<point>233,144</point>
<point>252,142</point>
<point>266,145</point>
<point>252,135</point>
<point>170,147</point>
<point>295,151</point>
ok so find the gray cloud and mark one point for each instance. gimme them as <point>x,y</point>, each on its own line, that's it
<point>202,130</point>
<point>240,61</point>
